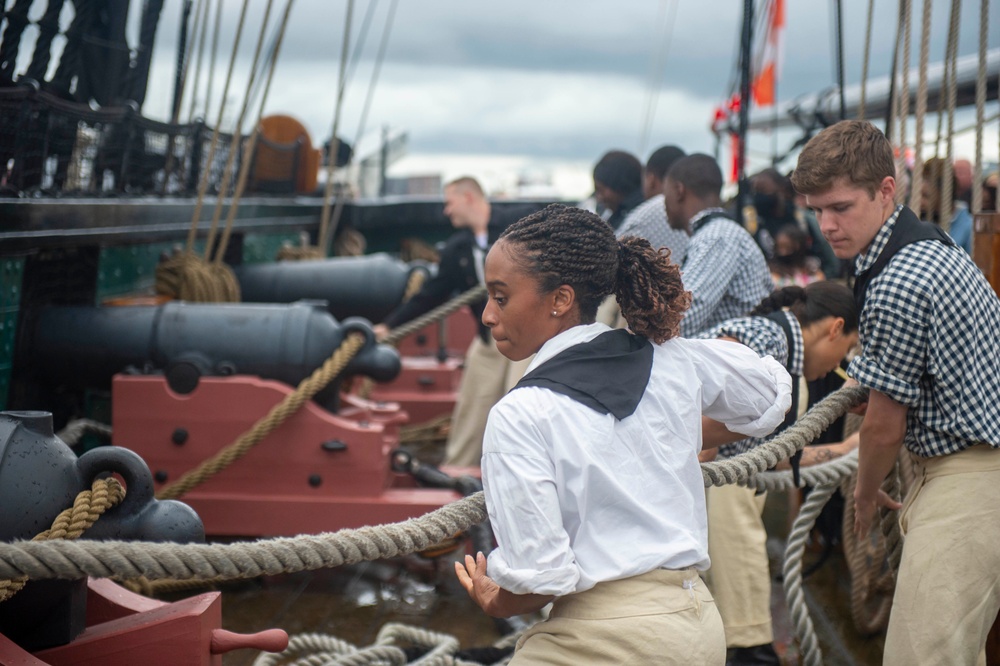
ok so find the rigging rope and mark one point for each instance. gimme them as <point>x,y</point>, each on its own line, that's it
<point>247,163</point>
<point>916,181</point>
<point>947,179</point>
<point>370,94</point>
<point>206,174</point>
<point>657,65</point>
<point>331,161</point>
<point>203,25</point>
<point>977,174</point>
<point>175,115</point>
<point>235,144</point>
<point>866,59</point>
<point>904,95</point>
<point>214,52</point>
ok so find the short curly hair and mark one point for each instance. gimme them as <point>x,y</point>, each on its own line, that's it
<point>852,149</point>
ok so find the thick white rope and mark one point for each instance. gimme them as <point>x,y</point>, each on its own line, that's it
<point>309,649</point>
<point>156,561</point>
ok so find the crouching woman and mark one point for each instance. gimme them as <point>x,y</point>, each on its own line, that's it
<point>590,464</point>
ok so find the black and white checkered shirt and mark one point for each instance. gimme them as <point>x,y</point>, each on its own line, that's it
<point>724,270</point>
<point>766,338</point>
<point>929,332</point>
<point>649,221</point>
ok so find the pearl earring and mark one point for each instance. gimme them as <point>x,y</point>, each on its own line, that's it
<point>555,314</point>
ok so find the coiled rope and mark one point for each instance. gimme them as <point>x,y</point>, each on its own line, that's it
<point>323,649</point>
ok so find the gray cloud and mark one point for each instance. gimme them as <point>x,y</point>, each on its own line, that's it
<point>561,77</point>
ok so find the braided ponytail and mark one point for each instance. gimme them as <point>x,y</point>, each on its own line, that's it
<point>779,299</point>
<point>649,290</point>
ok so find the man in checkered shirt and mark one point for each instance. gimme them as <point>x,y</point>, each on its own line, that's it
<point>724,269</point>
<point>929,323</point>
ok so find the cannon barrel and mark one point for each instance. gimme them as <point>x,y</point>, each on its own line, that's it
<point>370,286</point>
<point>86,346</point>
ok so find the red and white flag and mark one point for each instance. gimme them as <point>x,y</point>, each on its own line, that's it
<point>769,63</point>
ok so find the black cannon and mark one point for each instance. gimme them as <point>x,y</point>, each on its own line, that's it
<point>84,347</point>
<point>370,286</point>
<point>39,478</point>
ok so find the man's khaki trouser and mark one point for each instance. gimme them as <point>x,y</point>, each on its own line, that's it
<point>948,586</point>
<point>740,579</point>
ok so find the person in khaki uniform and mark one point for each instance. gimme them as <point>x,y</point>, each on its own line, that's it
<point>590,464</point>
<point>931,359</point>
<point>486,375</point>
<point>809,330</point>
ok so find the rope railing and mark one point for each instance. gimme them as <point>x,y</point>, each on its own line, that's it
<point>151,563</point>
<point>156,561</point>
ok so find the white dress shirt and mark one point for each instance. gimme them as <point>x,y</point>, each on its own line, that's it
<point>576,497</point>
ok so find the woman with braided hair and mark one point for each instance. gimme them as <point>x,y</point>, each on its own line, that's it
<point>809,330</point>
<point>590,464</point>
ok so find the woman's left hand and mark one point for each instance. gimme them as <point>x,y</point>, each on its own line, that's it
<point>483,589</point>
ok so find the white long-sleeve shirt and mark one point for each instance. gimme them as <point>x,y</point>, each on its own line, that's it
<point>576,497</point>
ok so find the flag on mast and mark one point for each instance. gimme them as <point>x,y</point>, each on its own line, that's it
<point>769,64</point>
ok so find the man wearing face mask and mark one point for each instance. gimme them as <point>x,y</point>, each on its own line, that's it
<point>773,209</point>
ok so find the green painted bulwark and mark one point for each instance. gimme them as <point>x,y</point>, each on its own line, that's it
<point>128,269</point>
<point>263,248</point>
<point>11,274</point>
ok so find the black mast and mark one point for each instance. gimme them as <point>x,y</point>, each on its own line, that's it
<point>746,40</point>
<point>181,53</point>
<point>138,76</point>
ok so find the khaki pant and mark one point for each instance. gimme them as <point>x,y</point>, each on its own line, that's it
<point>486,377</point>
<point>740,578</point>
<point>661,617</point>
<point>948,586</point>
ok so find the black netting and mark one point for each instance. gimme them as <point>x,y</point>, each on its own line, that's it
<point>51,146</point>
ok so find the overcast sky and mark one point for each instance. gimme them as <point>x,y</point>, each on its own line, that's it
<point>547,79</point>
